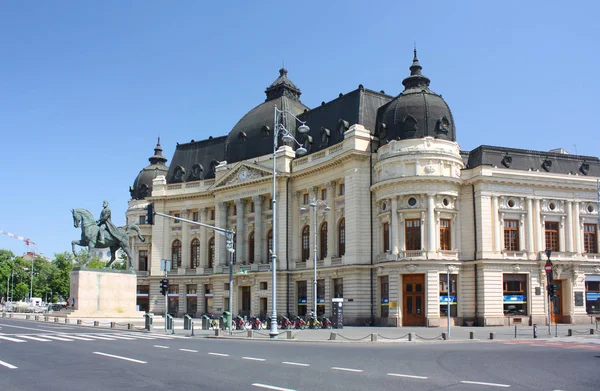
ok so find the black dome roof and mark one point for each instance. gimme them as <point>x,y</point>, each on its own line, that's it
<point>142,186</point>
<point>250,137</point>
<point>417,112</point>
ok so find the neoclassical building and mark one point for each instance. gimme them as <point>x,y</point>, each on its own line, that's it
<point>406,207</point>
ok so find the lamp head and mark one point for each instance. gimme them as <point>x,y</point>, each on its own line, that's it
<point>327,208</point>
<point>303,129</point>
<point>287,138</point>
<point>301,151</point>
<point>303,209</point>
<point>548,253</point>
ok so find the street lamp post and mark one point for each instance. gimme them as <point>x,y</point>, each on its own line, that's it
<point>314,204</point>
<point>279,128</point>
<point>549,289</point>
<point>31,284</point>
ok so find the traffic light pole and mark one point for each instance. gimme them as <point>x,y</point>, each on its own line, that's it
<point>166,303</point>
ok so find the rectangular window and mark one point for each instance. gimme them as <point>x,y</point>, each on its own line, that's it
<point>590,239</point>
<point>235,210</point>
<point>305,198</point>
<point>511,235</point>
<point>195,216</point>
<point>270,204</point>
<point>173,306</point>
<point>592,295</point>
<point>552,236</point>
<point>141,220</point>
<point>386,237</point>
<point>338,287</point>
<point>323,194</point>
<point>384,287</point>
<point>226,286</point>
<point>301,290</point>
<point>445,235</point>
<point>413,234</point>
<point>515,294</point>
<point>178,215</point>
<point>252,207</point>
<point>445,296</point>
<point>212,214</point>
<point>263,286</point>
<point>320,297</point>
<point>342,189</point>
<point>191,299</point>
<point>143,260</point>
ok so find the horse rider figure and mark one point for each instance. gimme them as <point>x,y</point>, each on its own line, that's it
<point>105,221</point>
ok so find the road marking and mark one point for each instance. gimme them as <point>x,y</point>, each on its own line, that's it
<point>139,336</point>
<point>189,350</point>
<point>26,328</point>
<point>121,357</point>
<point>485,384</point>
<point>161,346</point>
<point>219,354</point>
<point>96,336</point>
<point>58,338</point>
<point>253,358</point>
<point>11,339</point>
<point>7,365</point>
<point>77,337</point>
<point>295,363</point>
<point>409,376</point>
<point>268,387</point>
<point>34,338</point>
<point>346,369</point>
<point>121,337</point>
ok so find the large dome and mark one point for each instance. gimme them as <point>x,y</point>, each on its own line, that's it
<point>417,112</point>
<point>142,186</point>
<point>250,137</point>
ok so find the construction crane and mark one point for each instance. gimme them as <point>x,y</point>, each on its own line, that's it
<point>27,242</point>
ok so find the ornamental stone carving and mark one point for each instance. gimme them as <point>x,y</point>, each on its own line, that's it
<point>411,268</point>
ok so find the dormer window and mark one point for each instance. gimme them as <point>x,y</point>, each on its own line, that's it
<point>584,168</point>
<point>242,136</point>
<point>179,173</point>
<point>547,164</point>
<point>410,124</point>
<point>266,131</point>
<point>307,144</point>
<point>325,134</point>
<point>507,161</point>
<point>197,170</point>
<point>382,131</point>
<point>443,125</point>
<point>343,126</point>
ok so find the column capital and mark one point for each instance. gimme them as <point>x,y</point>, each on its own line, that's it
<point>258,199</point>
<point>222,205</point>
<point>240,202</point>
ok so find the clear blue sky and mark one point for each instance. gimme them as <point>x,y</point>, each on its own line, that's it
<point>86,87</point>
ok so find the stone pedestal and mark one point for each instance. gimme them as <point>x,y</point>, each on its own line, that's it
<point>104,294</point>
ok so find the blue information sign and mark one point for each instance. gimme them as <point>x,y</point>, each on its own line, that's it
<point>444,299</point>
<point>515,299</point>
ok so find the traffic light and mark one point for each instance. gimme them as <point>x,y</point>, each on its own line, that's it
<point>551,290</point>
<point>164,286</point>
<point>150,213</point>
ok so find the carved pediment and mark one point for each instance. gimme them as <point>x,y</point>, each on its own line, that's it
<point>242,173</point>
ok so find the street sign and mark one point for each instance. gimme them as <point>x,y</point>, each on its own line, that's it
<point>548,268</point>
<point>165,265</point>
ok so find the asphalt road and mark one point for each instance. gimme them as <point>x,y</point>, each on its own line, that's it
<point>69,357</point>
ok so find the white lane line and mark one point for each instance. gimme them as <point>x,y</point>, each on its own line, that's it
<point>485,384</point>
<point>253,359</point>
<point>189,350</point>
<point>346,369</point>
<point>11,339</point>
<point>7,365</point>
<point>76,337</point>
<point>121,357</point>
<point>33,338</point>
<point>268,387</point>
<point>295,363</point>
<point>219,354</point>
<point>161,346</point>
<point>408,376</point>
<point>96,336</point>
<point>58,338</point>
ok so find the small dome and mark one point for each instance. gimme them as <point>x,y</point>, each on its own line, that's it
<point>250,137</point>
<point>142,186</point>
<point>417,112</point>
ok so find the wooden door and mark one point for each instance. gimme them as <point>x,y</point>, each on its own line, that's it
<point>557,308</point>
<point>246,301</point>
<point>413,300</point>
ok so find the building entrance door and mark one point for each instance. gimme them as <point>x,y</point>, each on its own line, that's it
<point>413,298</point>
<point>246,300</point>
<point>557,308</point>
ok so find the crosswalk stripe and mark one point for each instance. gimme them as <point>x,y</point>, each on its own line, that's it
<point>121,337</point>
<point>11,339</point>
<point>96,336</point>
<point>58,338</point>
<point>140,336</point>
<point>33,338</point>
<point>77,337</point>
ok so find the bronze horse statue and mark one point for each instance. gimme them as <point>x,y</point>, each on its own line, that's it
<point>89,237</point>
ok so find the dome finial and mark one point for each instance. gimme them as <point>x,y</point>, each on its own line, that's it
<point>416,78</point>
<point>415,51</point>
<point>158,157</point>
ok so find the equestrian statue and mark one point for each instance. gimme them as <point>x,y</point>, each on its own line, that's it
<point>102,234</point>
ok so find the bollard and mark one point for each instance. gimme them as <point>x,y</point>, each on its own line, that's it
<point>556,329</point>
<point>444,336</point>
<point>373,337</point>
<point>289,334</point>
<point>79,322</point>
<point>96,323</point>
<point>471,335</point>
<point>591,331</point>
<point>26,317</point>
<point>10,315</point>
<point>332,336</point>
<point>55,320</point>
<point>569,332</point>
<point>409,337</point>
<point>515,331</point>
<point>129,326</point>
<point>4,314</point>
<point>37,317</point>
<point>113,325</point>
<point>218,332</point>
<point>535,330</point>
<point>191,335</point>
<point>45,318</point>
<point>66,320</point>
<point>250,333</point>
<point>491,335</point>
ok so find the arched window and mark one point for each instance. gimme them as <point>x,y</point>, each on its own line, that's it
<point>270,244</point>
<point>323,238</point>
<point>386,236</point>
<point>251,247</point>
<point>194,254</point>
<point>342,237</point>
<point>211,252</point>
<point>305,243</point>
<point>176,254</point>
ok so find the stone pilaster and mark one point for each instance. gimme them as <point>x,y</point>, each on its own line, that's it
<point>241,257</point>
<point>258,230</point>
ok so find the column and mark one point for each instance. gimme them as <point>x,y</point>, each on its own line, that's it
<point>203,240</point>
<point>496,225</point>
<point>258,229</point>
<point>168,242</point>
<point>394,225</point>
<point>578,228</point>
<point>530,244</point>
<point>431,223</point>
<point>332,228</point>
<point>296,227</point>
<point>569,230</point>
<point>539,232</point>
<point>240,233</point>
<point>221,256</point>
<point>185,241</point>
<point>522,244</point>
